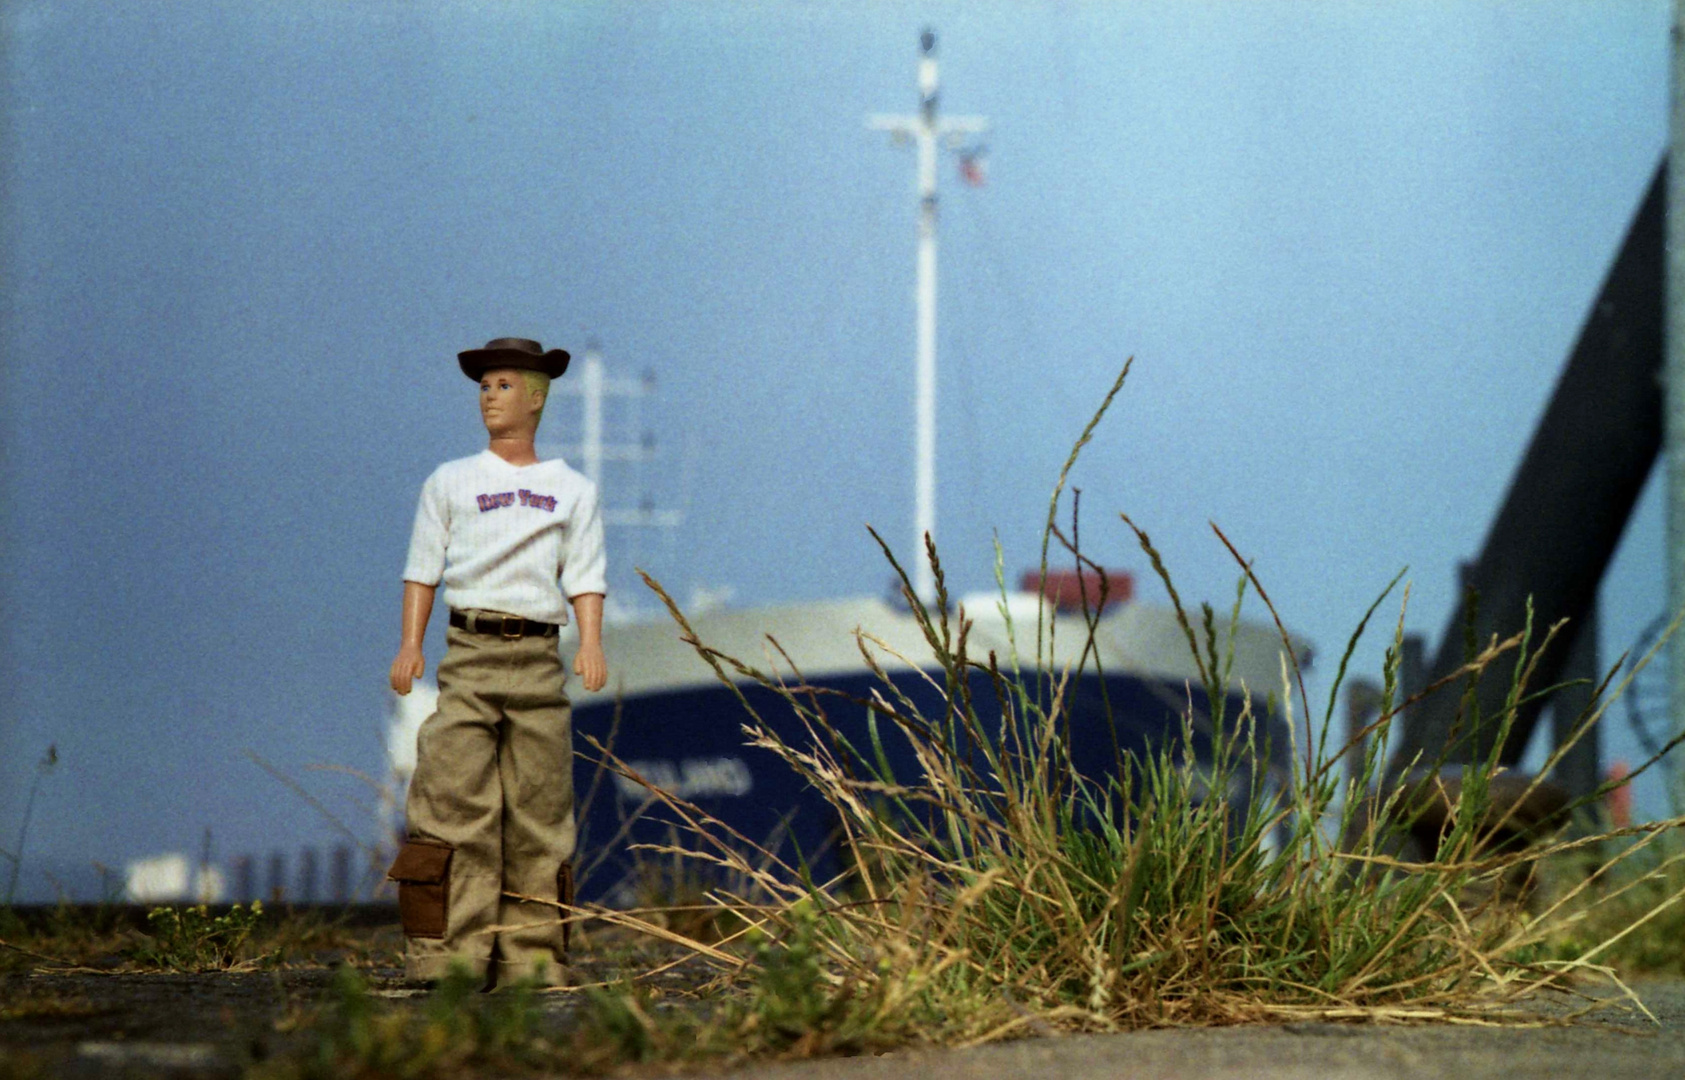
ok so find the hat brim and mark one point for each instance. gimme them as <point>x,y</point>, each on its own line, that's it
<point>476,362</point>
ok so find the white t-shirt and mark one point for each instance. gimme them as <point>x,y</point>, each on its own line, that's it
<point>501,536</point>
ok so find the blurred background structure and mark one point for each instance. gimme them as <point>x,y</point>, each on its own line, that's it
<point>1350,246</point>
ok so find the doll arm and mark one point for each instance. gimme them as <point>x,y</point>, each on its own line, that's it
<point>590,663</point>
<point>418,607</point>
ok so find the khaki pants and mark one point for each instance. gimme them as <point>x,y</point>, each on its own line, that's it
<point>490,812</point>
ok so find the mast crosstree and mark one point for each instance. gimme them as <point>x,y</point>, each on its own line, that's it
<point>593,387</point>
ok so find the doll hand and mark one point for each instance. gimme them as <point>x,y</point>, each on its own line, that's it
<point>407,668</point>
<point>592,666</point>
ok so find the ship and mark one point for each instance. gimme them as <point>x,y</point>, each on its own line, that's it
<point>670,720</point>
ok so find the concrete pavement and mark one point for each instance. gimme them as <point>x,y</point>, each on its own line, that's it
<point>1621,1046</point>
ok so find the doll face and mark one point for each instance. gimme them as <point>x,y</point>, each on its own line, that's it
<point>506,406</point>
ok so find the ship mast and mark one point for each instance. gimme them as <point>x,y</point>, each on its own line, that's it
<point>593,387</point>
<point>925,128</point>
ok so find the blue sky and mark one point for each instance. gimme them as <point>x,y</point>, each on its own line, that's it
<point>1348,244</point>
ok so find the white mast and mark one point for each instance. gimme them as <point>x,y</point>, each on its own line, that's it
<point>591,428</point>
<point>926,128</point>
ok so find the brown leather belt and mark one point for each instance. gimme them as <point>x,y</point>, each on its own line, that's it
<point>508,627</point>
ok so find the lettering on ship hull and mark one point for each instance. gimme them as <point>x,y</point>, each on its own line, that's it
<point>688,778</point>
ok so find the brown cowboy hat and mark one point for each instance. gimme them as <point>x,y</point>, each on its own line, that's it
<point>513,352</point>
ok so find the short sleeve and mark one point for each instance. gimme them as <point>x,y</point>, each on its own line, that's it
<point>426,562</point>
<point>584,562</point>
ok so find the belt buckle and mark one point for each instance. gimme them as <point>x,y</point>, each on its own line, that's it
<point>517,622</point>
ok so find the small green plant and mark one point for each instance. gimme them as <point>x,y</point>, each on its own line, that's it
<point>456,1029</point>
<point>192,939</point>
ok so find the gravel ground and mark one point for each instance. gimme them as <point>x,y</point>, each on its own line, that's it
<point>153,1025</point>
<point>92,1023</point>
<point>205,1026</point>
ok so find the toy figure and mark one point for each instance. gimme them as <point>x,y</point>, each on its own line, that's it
<point>490,814</point>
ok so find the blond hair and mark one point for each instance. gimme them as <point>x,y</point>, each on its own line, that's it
<point>537,383</point>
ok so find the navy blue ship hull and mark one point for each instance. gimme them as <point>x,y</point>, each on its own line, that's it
<point>691,742</point>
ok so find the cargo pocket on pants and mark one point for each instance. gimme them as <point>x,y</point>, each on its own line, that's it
<point>423,873</point>
<point>564,895</point>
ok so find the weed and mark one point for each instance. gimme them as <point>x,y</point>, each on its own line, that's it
<point>188,939</point>
<point>796,1008</point>
<point>790,1005</point>
<point>312,938</point>
<point>15,857</point>
<point>998,891</point>
<point>1620,907</point>
<point>456,1029</point>
<point>192,939</point>
<point>63,936</point>
<point>673,890</point>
